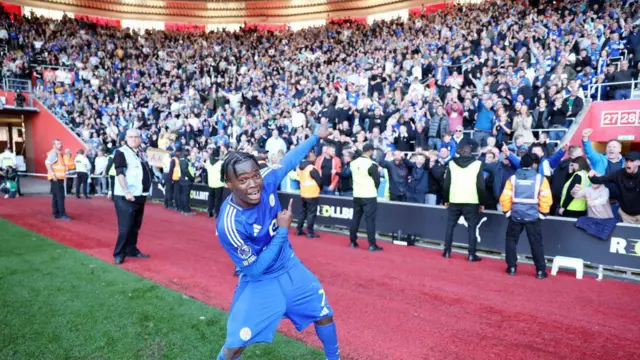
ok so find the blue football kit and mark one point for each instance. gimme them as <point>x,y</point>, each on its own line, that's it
<point>273,282</point>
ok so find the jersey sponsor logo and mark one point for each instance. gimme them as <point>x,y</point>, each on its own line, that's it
<point>245,334</point>
<point>256,229</point>
<point>336,212</point>
<point>273,227</point>
<point>272,200</point>
<point>244,251</point>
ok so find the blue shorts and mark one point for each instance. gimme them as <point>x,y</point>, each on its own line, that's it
<point>258,306</point>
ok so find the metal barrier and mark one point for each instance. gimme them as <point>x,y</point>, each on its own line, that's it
<point>634,83</point>
<point>51,66</point>
<point>568,124</point>
<point>18,86</point>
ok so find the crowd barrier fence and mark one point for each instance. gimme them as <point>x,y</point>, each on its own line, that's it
<point>560,235</point>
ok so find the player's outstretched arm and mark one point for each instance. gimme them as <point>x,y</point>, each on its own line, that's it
<point>295,156</point>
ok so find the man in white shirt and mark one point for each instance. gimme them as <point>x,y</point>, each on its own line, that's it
<point>83,169</point>
<point>7,158</point>
<point>275,143</point>
<point>100,172</point>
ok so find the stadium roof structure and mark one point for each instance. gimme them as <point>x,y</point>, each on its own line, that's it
<point>214,11</point>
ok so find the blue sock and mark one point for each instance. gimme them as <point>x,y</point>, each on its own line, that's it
<point>329,338</point>
<point>222,357</point>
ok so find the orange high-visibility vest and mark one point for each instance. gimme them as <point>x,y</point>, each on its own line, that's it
<point>176,170</point>
<point>308,187</point>
<point>71,165</point>
<point>59,167</point>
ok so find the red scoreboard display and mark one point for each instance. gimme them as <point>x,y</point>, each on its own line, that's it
<point>620,118</point>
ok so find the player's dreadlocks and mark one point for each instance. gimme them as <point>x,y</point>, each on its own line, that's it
<point>232,159</point>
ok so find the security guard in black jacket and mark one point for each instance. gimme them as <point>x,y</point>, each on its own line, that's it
<point>366,180</point>
<point>187,177</point>
<point>462,198</point>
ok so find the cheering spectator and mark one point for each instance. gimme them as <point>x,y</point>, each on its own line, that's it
<point>522,123</point>
<point>627,183</point>
<point>438,126</point>
<point>605,164</point>
<point>329,166</point>
<point>418,184</point>
<point>275,143</point>
<point>398,170</point>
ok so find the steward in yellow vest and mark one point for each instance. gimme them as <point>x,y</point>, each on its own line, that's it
<point>525,200</point>
<point>216,185</point>
<point>463,196</point>
<point>56,172</point>
<point>172,189</point>
<point>310,184</point>
<point>168,164</point>
<point>570,206</point>
<point>187,177</point>
<point>71,169</point>
<point>366,180</point>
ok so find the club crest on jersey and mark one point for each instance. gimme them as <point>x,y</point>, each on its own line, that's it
<point>245,334</point>
<point>272,200</point>
<point>244,251</point>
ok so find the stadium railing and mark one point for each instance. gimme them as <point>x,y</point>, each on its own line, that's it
<point>18,85</point>
<point>597,89</point>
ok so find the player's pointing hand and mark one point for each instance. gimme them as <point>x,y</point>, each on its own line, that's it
<point>286,216</point>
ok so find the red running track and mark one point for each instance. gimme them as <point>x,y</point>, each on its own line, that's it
<point>403,303</point>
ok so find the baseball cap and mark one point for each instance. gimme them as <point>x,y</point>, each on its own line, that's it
<point>367,148</point>
<point>633,156</point>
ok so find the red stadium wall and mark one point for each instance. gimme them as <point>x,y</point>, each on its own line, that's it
<point>169,26</point>
<point>266,27</point>
<point>427,9</point>
<point>612,120</point>
<point>358,20</point>
<point>42,128</point>
<point>15,10</point>
<point>98,20</point>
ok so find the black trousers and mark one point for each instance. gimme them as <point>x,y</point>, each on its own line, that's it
<point>176,195</point>
<point>401,198</point>
<point>112,185</point>
<point>70,184</point>
<point>309,212</point>
<point>367,207</point>
<point>185,195</point>
<point>471,214</point>
<point>57,198</point>
<point>81,183</point>
<point>129,215</point>
<point>534,233</point>
<point>215,201</point>
<point>168,191</point>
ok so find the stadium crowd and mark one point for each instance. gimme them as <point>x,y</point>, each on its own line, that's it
<point>507,77</point>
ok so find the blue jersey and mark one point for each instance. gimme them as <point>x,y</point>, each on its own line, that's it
<point>245,232</point>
